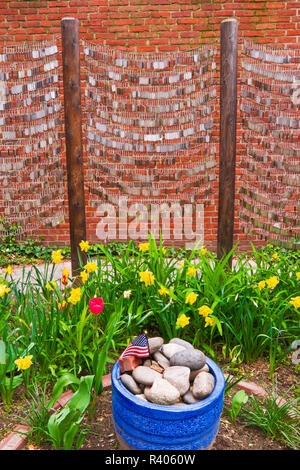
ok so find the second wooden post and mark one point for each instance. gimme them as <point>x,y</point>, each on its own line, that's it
<point>228,109</point>
<point>73,133</point>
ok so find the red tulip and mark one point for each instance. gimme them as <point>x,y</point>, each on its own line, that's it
<point>96,305</point>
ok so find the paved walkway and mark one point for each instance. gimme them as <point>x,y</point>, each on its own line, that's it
<point>17,273</point>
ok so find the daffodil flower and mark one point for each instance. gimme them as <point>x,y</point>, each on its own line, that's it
<point>295,301</point>
<point>204,310</point>
<point>24,363</point>
<point>50,285</point>
<point>91,267</point>
<point>182,320</point>
<point>163,291</point>
<point>75,296</point>
<point>191,271</point>
<point>3,290</point>
<point>8,270</point>
<point>147,277</point>
<point>84,246</point>
<point>209,322</point>
<point>56,256</point>
<point>191,298</point>
<point>143,247</point>
<point>84,276</point>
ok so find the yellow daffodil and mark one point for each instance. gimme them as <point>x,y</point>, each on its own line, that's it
<point>295,301</point>
<point>164,251</point>
<point>204,311</point>
<point>209,321</point>
<point>191,298</point>
<point>56,256</point>
<point>75,296</point>
<point>191,271</point>
<point>143,246</point>
<point>182,320</point>
<point>84,246</point>
<point>272,282</point>
<point>261,285</point>
<point>147,277</point>
<point>181,265</point>
<point>203,250</point>
<point>163,291</point>
<point>84,276</point>
<point>275,257</point>
<point>127,294</point>
<point>8,270</point>
<point>24,363</point>
<point>3,290</point>
<point>298,276</point>
<point>91,267</point>
<point>50,285</point>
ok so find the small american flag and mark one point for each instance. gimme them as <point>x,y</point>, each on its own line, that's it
<point>138,347</point>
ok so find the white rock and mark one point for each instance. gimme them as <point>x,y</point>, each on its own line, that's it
<point>170,349</point>
<point>142,396</point>
<point>204,383</point>
<point>129,382</point>
<point>145,375</point>
<point>162,393</point>
<point>179,377</point>
<point>192,358</point>
<point>155,344</point>
<point>161,360</point>
<point>181,342</point>
<point>193,373</point>
<point>189,398</point>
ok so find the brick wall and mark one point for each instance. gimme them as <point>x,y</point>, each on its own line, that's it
<point>151,25</point>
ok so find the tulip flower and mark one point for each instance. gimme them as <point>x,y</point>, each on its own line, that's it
<point>96,305</point>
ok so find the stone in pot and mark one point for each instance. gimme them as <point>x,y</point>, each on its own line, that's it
<point>161,360</point>
<point>181,342</point>
<point>193,373</point>
<point>145,375</point>
<point>155,344</point>
<point>203,385</point>
<point>179,377</point>
<point>130,384</point>
<point>192,358</point>
<point>170,349</point>
<point>162,393</point>
<point>189,398</point>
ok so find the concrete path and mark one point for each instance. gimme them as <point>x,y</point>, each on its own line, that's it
<point>17,273</point>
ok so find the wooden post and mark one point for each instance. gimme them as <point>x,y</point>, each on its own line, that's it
<point>73,135</point>
<point>228,108</point>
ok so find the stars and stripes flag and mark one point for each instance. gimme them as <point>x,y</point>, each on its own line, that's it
<point>138,347</point>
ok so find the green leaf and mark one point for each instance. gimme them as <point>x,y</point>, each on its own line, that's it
<point>238,400</point>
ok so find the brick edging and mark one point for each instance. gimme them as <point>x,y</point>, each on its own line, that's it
<point>16,441</point>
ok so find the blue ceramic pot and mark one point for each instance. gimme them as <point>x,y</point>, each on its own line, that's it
<point>146,426</point>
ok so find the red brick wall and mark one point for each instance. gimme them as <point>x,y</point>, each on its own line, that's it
<point>151,25</point>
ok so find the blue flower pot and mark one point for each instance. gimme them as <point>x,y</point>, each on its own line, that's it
<point>141,425</point>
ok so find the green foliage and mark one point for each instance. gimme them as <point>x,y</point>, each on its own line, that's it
<point>9,381</point>
<point>64,427</point>
<point>242,319</point>
<point>238,400</point>
<point>277,416</point>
